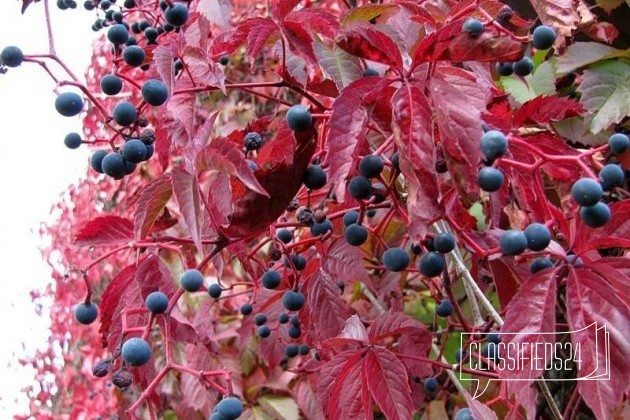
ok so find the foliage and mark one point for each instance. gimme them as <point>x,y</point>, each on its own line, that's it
<point>401,80</point>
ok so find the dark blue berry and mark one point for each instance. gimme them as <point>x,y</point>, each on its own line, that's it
<point>154,92</point>
<point>129,4</point>
<point>125,114</point>
<point>150,150</point>
<point>523,67</point>
<point>321,228</point>
<point>246,309</point>
<point>111,84</point>
<point>395,159</point>
<point>595,216</point>
<point>371,166</point>
<point>101,368</point>
<point>114,165</point>
<point>260,319</point>
<point>134,55</point>
<point>493,144</point>
<point>157,302</point>
<point>543,37</point>
<point>136,351</point>
<point>263,331</point>
<point>612,176</point>
<point>540,264</point>
<point>284,235</point>
<point>360,187</point>
<point>283,318</point>
<point>444,242</point>
<point>117,34</point>
<point>69,104</point>
<point>304,349</point>
<point>292,350</point>
<point>224,60</point>
<point>191,280</point>
<point>96,160</point>
<point>299,262</point>
<point>513,242</point>
<point>370,72</point>
<point>356,235</point>
<point>396,259</point>
<point>72,141</point>
<point>494,337</point>
<point>271,279</point>
<point>151,34</point>
<point>299,118</point>
<point>504,69</point>
<point>432,264</point>
<point>618,143</point>
<point>586,191</point>
<point>294,332</point>
<point>86,314</point>
<point>129,167</point>
<point>176,15</point>
<point>293,301</point>
<point>464,414</point>
<point>314,177</point>
<point>134,151</point>
<point>431,385</point>
<point>11,56</point>
<point>253,141</point>
<point>350,218</point>
<point>214,290</point>
<point>490,179</point>
<point>444,308</point>
<point>474,27</point>
<point>538,236</point>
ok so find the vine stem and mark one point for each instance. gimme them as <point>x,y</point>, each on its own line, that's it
<point>51,40</point>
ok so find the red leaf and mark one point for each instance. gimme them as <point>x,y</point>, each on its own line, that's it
<point>479,409</point>
<point>223,156</point>
<point>343,262</point>
<point>540,319</point>
<point>200,139</point>
<point>153,275</point>
<point>326,309</point>
<point>347,129</point>
<point>130,298</point>
<point>340,387</point>
<point>112,296</point>
<point>590,299</point>
<point>256,32</point>
<point>105,231</point>
<point>317,20</point>
<point>204,324</point>
<point>26,3</point>
<point>181,113</point>
<point>371,44</point>
<point>412,132</point>
<point>549,143</point>
<point>388,383</point>
<point>543,109</point>
<point>150,204</point>
<point>391,324</point>
<point>562,15</point>
<point>306,399</point>
<point>615,233</point>
<point>451,43</point>
<point>281,8</point>
<point>187,195</point>
<point>353,332</point>
<point>299,41</point>
<point>163,57</point>
<point>204,71</point>
<point>507,278</point>
<point>458,99</point>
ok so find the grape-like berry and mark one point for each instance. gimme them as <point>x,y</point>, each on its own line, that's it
<point>474,27</point>
<point>114,165</point>
<point>523,67</point>
<point>125,114</point>
<point>396,259</point>
<point>314,177</point>
<point>292,350</point>
<point>136,351</point>
<point>596,215</point>
<point>431,385</point>
<point>299,118</point>
<point>504,69</point>
<point>96,160</point>
<point>157,302</point>
<point>284,235</point>
<point>513,242</point>
<point>540,264</point>
<point>370,72</point>
<point>444,243</point>
<point>356,235</point>
<point>214,290</point>
<point>72,141</point>
<point>444,308</point>
<point>490,179</point>
<point>493,144</point>
<point>293,301</point>
<point>263,331</point>
<point>350,217</point>
<point>538,236</point>
<point>371,166</point>
<point>111,84</point>
<point>464,414</point>
<point>86,314</point>
<point>69,104</point>
<point>283,318</point>
<point>11,56</point>
<point>176,15</point>
<point>360,187</point>
<point>432,264</point>
<point>618,143</point>
<point>271,279</point>
<point>134,55</point>
<point>118,34</point>
<point>134,151</point>
<point>260,319</point>
<point>253,141</point>
<point>191,280</point>
<point>612,176</point>
<point>543,37</point>
<point>246,309</point>
<point>321,228</point>
<point>154,92</point>
<point>586,192</point>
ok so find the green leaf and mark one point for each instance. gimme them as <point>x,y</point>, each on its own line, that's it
<point>582,54</point>
<point>539,83</point>
<point>341,66</point>
<point>605,91</point>
<point>577,130</point>
<point>367,13</point>
<point>280,407</point>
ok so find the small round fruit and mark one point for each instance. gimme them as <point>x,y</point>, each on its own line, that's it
<point>293,301</point>
<point>299,118</point>
<point>283,318</point>
<point>612,176</point>
<point>114,165</point>
<point>125,114</point>
<point>101,368</point>
<point>360,188</point>
<point>271,279</point>
<point>295,320</point>
<point>396,259</point>
<point>136,351</point>
<point>72,140</point>
<point>395,160</point>
<point>523,67</point>
<point>618,143</point>
<point>575,260</point>
<point>513,242</point>
<point>304,349</point>
<point>432,264</point>
<point>224,60</point>
<point>314,177</point>
<point>253,141</point>
<point>292,350</point>
<point>595,216</point>
<point>504,69</point>
<point>154,92</point>
<point>350,217</point>
<point>493,144</point>
<point>230,408</point>
<point>134,55</point>
<point>157,302</point>
<point>444,242</point>
<point>284,235</point>
<point>111,84</point>
<point>464,414</point>
<point>431,385</point>
<point>371,72</point>
<point>587,192</point>
<point>86,314</point>
<point>543,37</point>
<point>474,27</point>
<point>191,280</point>
<point>356,235</point>
<point>294,332</point>
<point>151,34</point>
<point>134,151</point>
<point>371,166</point>
<point>538,236</point>
<point>69,104</point>
<point>321,228</point>
<point>214,290</point>
<point>118,34</point>
<point>494,337</point>
<point>540,264</point>
<point>444,308</point>
<point>176,15</point>
<point>299,262</point>
<point>11,56</point>
<point>96,160</point>
<point>260,319</point>
<point>246,309</point>
<point>263,331</point>
<point>490,179</point>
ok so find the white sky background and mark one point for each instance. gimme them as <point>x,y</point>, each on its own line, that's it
<point>35,167</point>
